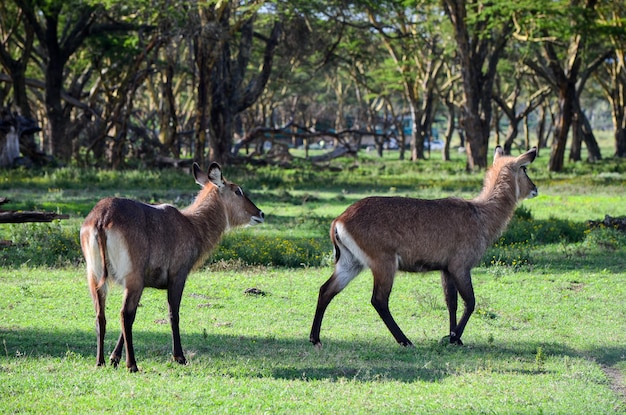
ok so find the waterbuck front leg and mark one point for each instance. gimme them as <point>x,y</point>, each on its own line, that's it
<point>174,295</point>
<point>453,285</point>
<point>451,295</point>
<point>384,273</point>
<point>466,291</point>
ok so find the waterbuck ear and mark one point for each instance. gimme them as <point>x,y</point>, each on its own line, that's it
<point>215,175</point>
<point>200,176</point>
<point>498,153</point>
<point>527,158</point>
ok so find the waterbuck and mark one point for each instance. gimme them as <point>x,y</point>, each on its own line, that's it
<point>387,234</point>
<point>140,245</point>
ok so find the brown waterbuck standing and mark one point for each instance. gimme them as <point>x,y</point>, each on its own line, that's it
<point>387,234</point>
<point>140,245</point>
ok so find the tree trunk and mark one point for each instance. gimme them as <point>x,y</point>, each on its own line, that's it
<point>9,148</point>
<point>563,122</point>
<point>60,142</point>
<point>620,142</point>
<point>417,136</point>
<point>479,48</point>
<point>445,154</point>
<point>226,94</point>
<point>541,127</point>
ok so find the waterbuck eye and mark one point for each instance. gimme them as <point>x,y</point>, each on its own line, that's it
<point>239,192</point>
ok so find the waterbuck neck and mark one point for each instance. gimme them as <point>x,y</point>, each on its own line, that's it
<point>497,200</point>
<point>208,217</point>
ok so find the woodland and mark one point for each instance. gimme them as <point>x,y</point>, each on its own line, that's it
<point>150,83</point>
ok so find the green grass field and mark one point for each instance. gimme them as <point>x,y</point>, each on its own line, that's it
<point>547,335</point>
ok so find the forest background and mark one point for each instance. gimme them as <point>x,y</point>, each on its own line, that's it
<point>152,83</point>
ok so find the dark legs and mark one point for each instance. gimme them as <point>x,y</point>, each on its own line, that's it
<point>346,268</point>
<point>99,301</point>
<point>130,303</point>
<point>452,287</point>
<point>174,294</point>
<point>383,281</point>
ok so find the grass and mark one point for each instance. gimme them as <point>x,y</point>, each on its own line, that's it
<point>524,354</point>
<point>547,335</point>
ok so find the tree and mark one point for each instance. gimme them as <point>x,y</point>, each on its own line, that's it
<point>414,45</point>
<point>12,21</point>
<point>481,31</point>
<point>223,49</point>
<point>565,66</point>
<point>60,27</point>
<point>612,72</point>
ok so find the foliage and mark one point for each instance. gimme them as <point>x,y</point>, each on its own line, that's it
<point>41,244</point>
<point>272,250</point>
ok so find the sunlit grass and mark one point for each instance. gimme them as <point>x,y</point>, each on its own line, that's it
<point>548,319</point>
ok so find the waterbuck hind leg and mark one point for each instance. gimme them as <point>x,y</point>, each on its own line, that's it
<point>383,281</point>
<point>116,355</point>
<point>346,269</point>
<point>132,296</point>
<point>326,294</point>
<point>99,301</point>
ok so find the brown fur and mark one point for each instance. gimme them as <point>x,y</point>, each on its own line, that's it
<point>140,245</point>
<point>387,234</point>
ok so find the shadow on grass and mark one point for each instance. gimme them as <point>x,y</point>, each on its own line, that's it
<point>296,359</point>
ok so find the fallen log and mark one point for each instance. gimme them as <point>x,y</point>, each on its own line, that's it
<point>22,216</point>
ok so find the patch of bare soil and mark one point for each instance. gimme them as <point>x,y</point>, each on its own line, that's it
<point>617,381</point>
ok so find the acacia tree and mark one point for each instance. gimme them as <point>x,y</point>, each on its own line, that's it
<point>223,47</point>
<point>565,61</point>
<point>612,72</point>
<point>61,27</point>
<point>414,45</point>
<point>481,31</point>
<point>15,53</point>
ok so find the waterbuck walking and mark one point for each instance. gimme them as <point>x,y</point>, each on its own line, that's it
<point>387,234</point>
<point>140,245</point>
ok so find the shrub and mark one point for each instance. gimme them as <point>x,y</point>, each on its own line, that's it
<point>272,250</point>
<point>605,238</point>
<point>41,244</point>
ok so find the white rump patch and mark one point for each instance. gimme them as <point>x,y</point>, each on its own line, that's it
<point>92,256</point>
<point>352,260</point>
<point>120,264</point>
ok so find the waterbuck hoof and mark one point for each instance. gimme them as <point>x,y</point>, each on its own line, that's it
<point>180,359</point>
<point>406,343</point>
<point>133,369</point>
<point>115,360</point>
<point>451,340</point>
<point>317,344</point>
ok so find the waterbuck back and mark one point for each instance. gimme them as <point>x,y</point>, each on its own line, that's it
<point>139,245</point>
<point>387,234</point>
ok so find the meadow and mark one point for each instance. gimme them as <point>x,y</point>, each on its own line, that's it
<point>547,335</point>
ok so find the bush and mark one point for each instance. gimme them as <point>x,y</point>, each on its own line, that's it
<point>41,244</point>
<point>272,250</point>
<point>605,238</point>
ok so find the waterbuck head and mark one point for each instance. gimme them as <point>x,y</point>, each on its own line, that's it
<point>513,169</point>
<point>240,211</point>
